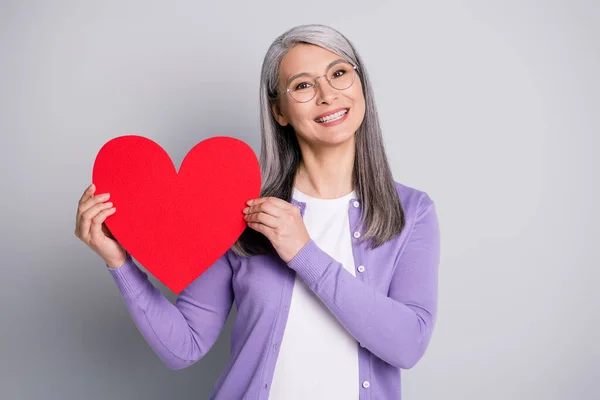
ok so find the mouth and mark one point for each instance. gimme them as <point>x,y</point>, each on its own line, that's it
<point>332,117</point>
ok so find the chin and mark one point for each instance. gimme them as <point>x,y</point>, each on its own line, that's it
<point>337,138</point>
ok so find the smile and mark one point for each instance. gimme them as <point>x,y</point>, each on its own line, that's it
<point>332,117</point>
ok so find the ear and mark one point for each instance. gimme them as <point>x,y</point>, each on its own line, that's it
<point>279,117</point>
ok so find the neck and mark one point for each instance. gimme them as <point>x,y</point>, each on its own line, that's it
<point>326,172</point>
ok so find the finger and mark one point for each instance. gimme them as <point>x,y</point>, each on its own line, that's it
<point>87,216</point>
<point>92,201</point>
<point>88,192</point>
<point>265,230</point>
<point>275,200</point>
<point>96,228</point>
<point>267,207</point>
<point>284,205</point>
<point>263,218</point>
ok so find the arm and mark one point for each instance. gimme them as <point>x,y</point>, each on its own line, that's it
<point>181,333</point>
<point>397,327</point>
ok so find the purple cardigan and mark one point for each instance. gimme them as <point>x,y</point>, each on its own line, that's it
<point>389,306</point>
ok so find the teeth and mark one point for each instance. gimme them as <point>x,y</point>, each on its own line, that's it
<point>333,117</point>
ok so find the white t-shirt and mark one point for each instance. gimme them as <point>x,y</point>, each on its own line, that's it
<point>318,358</point>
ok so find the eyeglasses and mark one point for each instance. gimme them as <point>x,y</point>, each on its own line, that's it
<point>303,88</point>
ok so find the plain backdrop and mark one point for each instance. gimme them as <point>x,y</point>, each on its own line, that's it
<point>491,107</point>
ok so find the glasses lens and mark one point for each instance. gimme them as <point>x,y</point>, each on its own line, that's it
<point>302,89</point>
<point>341,76</point>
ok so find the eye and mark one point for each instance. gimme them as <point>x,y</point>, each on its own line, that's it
<point>339,73</point>
<point>302,86</point>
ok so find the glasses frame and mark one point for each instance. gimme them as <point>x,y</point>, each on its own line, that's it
<point>316,82</point>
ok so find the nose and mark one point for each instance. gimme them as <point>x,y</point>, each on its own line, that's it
<point>325,93</point>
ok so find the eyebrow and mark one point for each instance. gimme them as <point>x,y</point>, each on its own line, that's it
<point>339,60</point>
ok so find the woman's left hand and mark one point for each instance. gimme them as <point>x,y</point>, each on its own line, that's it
<point>281,222</point>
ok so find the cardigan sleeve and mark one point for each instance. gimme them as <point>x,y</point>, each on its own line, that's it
<point>396,327</point>
<point>181,333</point>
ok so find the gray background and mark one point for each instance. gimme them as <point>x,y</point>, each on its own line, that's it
<point>490,107</point>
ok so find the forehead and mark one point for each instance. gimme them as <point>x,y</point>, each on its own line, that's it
<point>305,58</point>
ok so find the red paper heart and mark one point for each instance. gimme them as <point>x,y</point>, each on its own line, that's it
<point>177,224</point>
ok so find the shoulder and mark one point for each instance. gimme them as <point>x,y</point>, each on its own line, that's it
<point>413,200</point>
<point>420,215</point>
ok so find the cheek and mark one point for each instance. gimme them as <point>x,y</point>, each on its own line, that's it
<point>358,96</point>
<point>299,115</point>
<point>359,103</point>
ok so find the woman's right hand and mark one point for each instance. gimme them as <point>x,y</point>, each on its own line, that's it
<point>92,211</point>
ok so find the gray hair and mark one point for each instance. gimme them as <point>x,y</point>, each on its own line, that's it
<point>382,213</point>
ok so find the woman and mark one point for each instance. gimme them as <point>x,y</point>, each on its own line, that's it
<point>335,278</point>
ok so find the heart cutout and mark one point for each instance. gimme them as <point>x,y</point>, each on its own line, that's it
<point>177,224</point>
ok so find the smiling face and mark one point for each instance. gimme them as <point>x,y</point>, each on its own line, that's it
<point>332,116</point>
